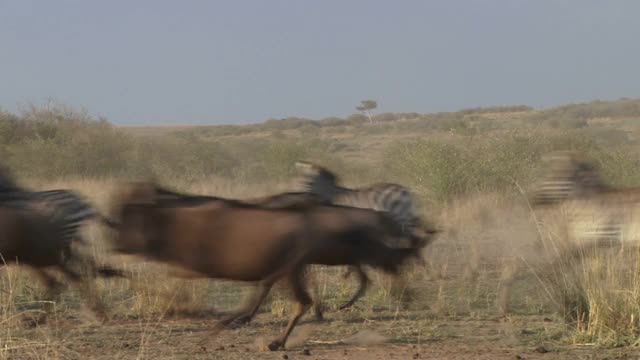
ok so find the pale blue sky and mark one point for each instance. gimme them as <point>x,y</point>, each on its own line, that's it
<point>170,62</point>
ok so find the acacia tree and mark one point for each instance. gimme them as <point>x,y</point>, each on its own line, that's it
<point>367,105</point>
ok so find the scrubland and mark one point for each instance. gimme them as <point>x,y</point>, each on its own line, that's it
<point>496,284</point>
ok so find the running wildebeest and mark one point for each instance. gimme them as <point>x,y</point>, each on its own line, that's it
<point>396,200</point>
<point>234,240</point>
<point>301,201</point>
<point>414,239</point>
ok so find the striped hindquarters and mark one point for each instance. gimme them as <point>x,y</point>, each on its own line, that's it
<point>572,187</point>
<point>68,208</point>
<point>552,191</point>
<point>566,175</point>
<point>64,207</point>
<point>394,199</point>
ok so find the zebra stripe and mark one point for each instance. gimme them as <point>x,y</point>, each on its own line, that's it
<point>65,207</point>
<point>567,175</point>
<point>594,210</point>
<point>396,200</point>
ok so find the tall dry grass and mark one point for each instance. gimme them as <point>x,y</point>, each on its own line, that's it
<point>594,283</point>
<point>488,238</point>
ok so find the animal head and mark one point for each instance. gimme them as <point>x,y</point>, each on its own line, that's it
<point>566,174</point>
<point>419,235</point>
<point>137,213</point>
<point>317,179</point>
<point>423,233</point>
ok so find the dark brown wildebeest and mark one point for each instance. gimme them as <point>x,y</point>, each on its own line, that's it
<point>414,239</point>
<point>301,201</point>
<point>228,239</point>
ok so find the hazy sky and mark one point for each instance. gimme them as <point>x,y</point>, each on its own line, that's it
<point>169,62</point>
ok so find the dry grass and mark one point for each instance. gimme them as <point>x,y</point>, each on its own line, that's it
<point>488,238</point>
<point>594,284</point>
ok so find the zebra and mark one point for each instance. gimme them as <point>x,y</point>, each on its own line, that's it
<point>567,175</point>
<point>400,203</point>
<point>577,210</point>
<point>66,208</point>
<point>597,212</point>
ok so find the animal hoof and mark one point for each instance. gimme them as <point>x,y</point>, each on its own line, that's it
<point>275,345</point>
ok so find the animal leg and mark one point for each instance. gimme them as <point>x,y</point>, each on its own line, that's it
<point>398,288</point>
<point>262,293</point>
<point>54,288</point>
<point>318,309</point>
<point>363,280</point>
<point>303,299</point>
<point>246,315</point>
<point>318,306</point>
<point>87,287</point>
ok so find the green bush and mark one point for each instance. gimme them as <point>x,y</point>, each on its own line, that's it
<point>442,170</point>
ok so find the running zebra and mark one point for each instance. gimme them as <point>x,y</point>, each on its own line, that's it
<point>38,229</point>
<point>567,175</point>
<point>396,200</point>
<point>66,208</point>
<point>597,213</point>
<point>576,211</point>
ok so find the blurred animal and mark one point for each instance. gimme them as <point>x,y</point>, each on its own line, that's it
<point>597,214</point>
<point>230,239</point>
<point>31,239</point>
<point>397,201</point>
<point>38,229</point>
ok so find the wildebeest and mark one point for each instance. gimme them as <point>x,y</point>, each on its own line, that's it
<point>304,199</point>
<point>300,201</point>
<point>229,239</point>
<point>396,200</point>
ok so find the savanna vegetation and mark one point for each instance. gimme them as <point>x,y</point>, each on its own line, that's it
<point>471,168</point>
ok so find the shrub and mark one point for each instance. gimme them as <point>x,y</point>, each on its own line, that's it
<point>446,169</point>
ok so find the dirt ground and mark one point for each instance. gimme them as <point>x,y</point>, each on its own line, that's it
<point>383,335</point>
